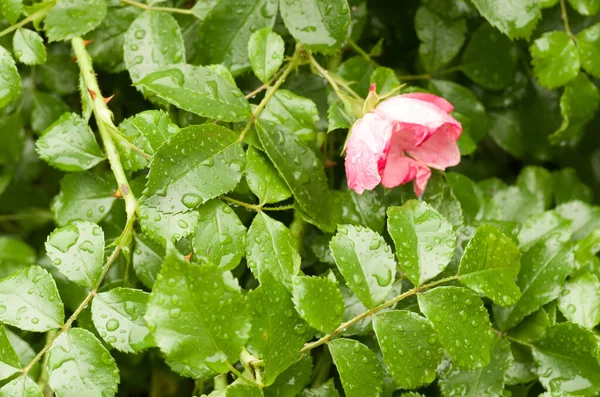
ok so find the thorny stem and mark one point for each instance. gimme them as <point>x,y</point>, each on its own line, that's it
<point>565,18</point>
<point>288,69</point>
<point>152,8</point>
<point>103,120</point>
<point>360,51</point>
<point>309,346</point>
<point>38,14</point>
<point>256,207</point>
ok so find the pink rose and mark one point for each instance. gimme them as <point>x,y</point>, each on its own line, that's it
<point>400,140</point>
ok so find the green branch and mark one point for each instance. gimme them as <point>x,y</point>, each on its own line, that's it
<point>38,14</point>
<point>309,346</point>
<point>256,207</point>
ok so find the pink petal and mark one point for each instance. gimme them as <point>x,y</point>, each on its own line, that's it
<point>409,112</point>
<point>366,152</point>
<point>436,100</point>
<point>440,150</point>
<point>401,169</point>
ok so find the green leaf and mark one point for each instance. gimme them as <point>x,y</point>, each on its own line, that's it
<point>9,361</point>
<point>580,300</point>
<point>10,79</point>
<point>354,307</point>
<point>359,368</point>
<point>490,58</point>
<point>60,74</point>
<point>297,113</point>
<point>220,237</point>
<point>14,255</point>
<point>69,144</point>
<point>410,347</point>
<point>243,388</point>
<point>84,196</point>
<point>29,300</point>
<point>78,364</point>
<point>77,250</point>
<point>366,209</point>
<point>152,41</point>
<point>202,8</point>
<point>208,91</point>
<point>293,380</point>
<point>271,250</point>
<point>45,109</point>
<point>106,48</point>
<point>301,169</point>
<point>318,301</point>
<point>578,105</point>
<point>540,226</point>
<point>424,240</point>
<point>485,381</point>
<point>515,19</point>
<point>565,353</point>
<point>568,187</point>
<point>118,316</point>
<point>555,59</point>
<point>490,265</point>
<point>507,132</point>
<point>11,10</point>
<point>29,47</point>
<point>197,164</point>
<point>162,227</point>
<point>585,7</point>
<point>265,50</point>
<point>442,198</point>
<point>584,217</point>
<point>198,317</point>
<point>147,131</point>
<point>466,103</point>
<point>450,8</point>
<point>462,323</point>
<point>263,179</point>
<point>321,25</point>
<point>147,259</point>
<point>366,262</point>
<point>588,44</point>
<point>441,38</point>
<point>72,18</point>
<point>543,270</point>
<point>235,21</point>
<point>385,80</point>
<point>23,386</point>
<point>278,333</point>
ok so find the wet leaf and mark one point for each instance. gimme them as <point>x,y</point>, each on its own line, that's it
<point>263,179</point>
<point>321,25</point>
<point>424,240</point>
<point>10,79</point>
<point>77,250</point>
<point>580,300</point>
<point>366,262</point>
<point>490,265</point>
<point>29,300</point>
<point>79,364</point>
<point>220,237</point>
<point>555,59</point>
<point>410,347</point>
<point>23,386</point>
<point>588,42</point>
<point>69,144</point>
<point>265,50</point>
<point>9,361</point>
<point>318,301</point>
<point>147,259</point>
<point>72,18</point>
<point>197,164</point>
<point>118,316</point>
<point>29,47</point>
<point>360,372</point>
<point>515,19</point>
<point>462,323</point>
<point>198,317</point>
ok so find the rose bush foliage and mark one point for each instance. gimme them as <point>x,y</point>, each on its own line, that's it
<point>177,220</point>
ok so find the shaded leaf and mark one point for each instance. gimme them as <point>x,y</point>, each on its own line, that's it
<point>10,79</point>
<point>9,361</point>
<point>72,18</point>
<point>263,179</point>
<point>29,47</point>
<point>515,19</point>
<point>45,109</point>
<point>555,59</point>
<point>147,259</point>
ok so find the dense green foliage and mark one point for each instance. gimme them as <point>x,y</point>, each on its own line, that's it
<point>194,235</point>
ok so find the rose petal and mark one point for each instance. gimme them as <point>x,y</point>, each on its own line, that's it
<point>440,150</point>
<point>401,169</point>
<point>409,112</point>
<point>436,100</point>
<point>366,152</point>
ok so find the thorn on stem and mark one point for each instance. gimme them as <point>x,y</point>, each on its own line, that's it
<point>87,42</point>
<point>117,194</point>
<point>107,100</point>
<point>92,93</point>
<point>188,257</point>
